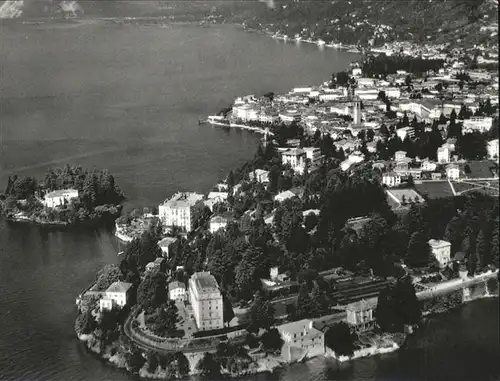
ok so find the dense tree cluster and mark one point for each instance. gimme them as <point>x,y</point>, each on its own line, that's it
<point>398,306</point>
<point>383,65</point>
<point>340,339</point>
<point>99,196</point>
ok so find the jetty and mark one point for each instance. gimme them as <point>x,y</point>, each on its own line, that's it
<point>222,122</point>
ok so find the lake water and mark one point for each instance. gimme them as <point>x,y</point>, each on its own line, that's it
<point>128,98</point>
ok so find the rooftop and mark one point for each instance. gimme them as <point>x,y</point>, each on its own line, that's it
<point>183,199</point>
<point>295,326</point>
<point>167,241</point>
<point>176,284</point>
<point>436,243</point>
<point>362,305</point>
<point>61,192</point>
<point>205,282</point>
<point>119,287</point>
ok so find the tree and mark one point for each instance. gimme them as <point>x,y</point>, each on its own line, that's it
<point>261,314</point>
<point>481,250</point>
<point>135,360</point>
<point>151,292</point>
<point>419,251</point>
<point>85,323</point>
<point>398,306</point>
<point>164,319</point>
<point>340,339</point>
<point>107,276</point>
<point>209,367</point>
<point>303,304</point>
<point>494,247</point>
<point>271,340</point>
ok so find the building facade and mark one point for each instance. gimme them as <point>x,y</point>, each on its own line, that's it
<point>441,251</point>
<point>177,291</point>
<point>59,197</point>
<point>360,315</point>
<point>206,300</point>
<point>178,210</point>
<point>301,334</point>
<point>117,295</point>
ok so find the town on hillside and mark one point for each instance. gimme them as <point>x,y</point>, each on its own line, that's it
<point>371,201</point>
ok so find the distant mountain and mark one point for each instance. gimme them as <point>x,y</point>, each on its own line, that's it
<point>359,22</point>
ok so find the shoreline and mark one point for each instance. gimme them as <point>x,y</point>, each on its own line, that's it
<point>269,363</point>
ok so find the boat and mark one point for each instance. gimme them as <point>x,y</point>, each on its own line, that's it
<point>202,121</point>
<point>320,42</point>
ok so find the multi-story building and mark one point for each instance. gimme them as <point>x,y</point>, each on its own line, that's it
<point>492,147</point>
<point>217,222</point>
<point>443,154</point>
<point>59,197</point>
<point>441,251</point>
<point>453,172</point>
<point>177,291</point>
<point>360,315</point>
<point>178,210</point>
<point>302,335</point>
<point>477,123</point>
<point>391,179</point>
<point>117,295</point>
<point>165,245</point>
<point>399,156</point>
<point>296,157</point>
<point>206,300</point>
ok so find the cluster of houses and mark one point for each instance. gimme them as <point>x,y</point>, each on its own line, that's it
<point>202,294</point>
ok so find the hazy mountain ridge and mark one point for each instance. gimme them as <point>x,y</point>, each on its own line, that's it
<point>359,22</point>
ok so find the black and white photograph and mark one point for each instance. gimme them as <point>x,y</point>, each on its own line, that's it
<point>249,190</point>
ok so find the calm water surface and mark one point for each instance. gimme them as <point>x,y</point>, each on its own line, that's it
<point>128,98</point>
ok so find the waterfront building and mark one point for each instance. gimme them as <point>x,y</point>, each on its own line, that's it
<point>177,291</point>
<point>117,295</point>
<point>360,315</point>
<point>165,244</point>
<point>301,335</point>
<point>492,148</point>
<point>441,251</point>
<point>178,210</point>
<point>206,300</point>
<point>59,197</point>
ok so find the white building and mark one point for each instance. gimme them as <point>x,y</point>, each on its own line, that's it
<point>492,147</point>
<point>165,245</point>
<point>214,198</point>
<point>59,197</point>
<point>296,158</point>
<point>116,295</point>
<point>391,179</point>
<point>428,165</point>
<point>206,300</point>
<point>280,197</point>
<point>399,156</point>
<point>360,315</point>
<point>477,123</point>
<point>443,154</point>
<point>259,175</point>
<point>302,335</point>
<point>217,222</point>
<point>403,132</point>
<point>441,251</point>
<point>177,291</point>
<point>313,154</point>
<point>289,116</point>
<point>178,210</point>
<point>452,172</point>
